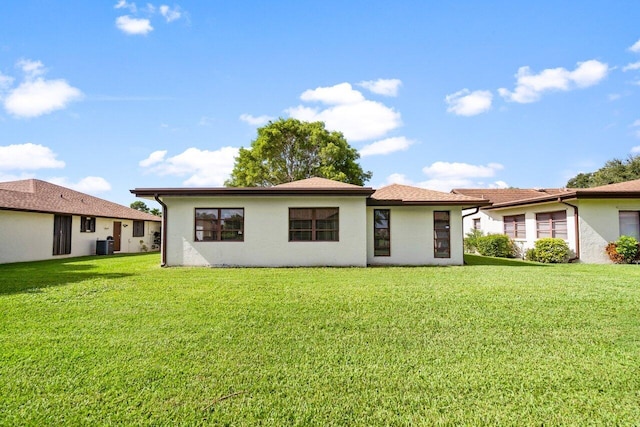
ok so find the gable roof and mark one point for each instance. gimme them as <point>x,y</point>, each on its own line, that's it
<point>316,182</point>
<point>34,195</point>
<point>409,195</point>
<point>508,197</point>
<point>306,187</point>
<point>502,195</point>
<point>394,194</point>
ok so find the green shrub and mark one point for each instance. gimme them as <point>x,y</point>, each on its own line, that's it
<point>530,255</point>
<point>549,250</point>
<point>624,250</point>
<point>471,241</point>
<point>496,245</point>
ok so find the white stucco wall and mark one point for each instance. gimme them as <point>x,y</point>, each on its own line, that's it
<point>25,236</point>
<point>28,236</point>
<point>599,225</point>
<point>266,233</point>
<point>492,223</point>
<point>412,238</point>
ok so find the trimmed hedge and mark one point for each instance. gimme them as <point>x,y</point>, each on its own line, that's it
<point>549,250</point>
<point>496,245</point>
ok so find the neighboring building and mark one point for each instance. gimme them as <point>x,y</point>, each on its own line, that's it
<point>312,222</point>
<point>587,218</point>
<point>40,220</point>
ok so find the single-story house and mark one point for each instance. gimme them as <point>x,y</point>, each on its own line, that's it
<point>40,220</point>
<point>311,222</point>
<point>587,218</point>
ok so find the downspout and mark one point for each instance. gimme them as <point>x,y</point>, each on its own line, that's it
<point>577,228</point>
<point>163,237</point>
<point>476,210</point>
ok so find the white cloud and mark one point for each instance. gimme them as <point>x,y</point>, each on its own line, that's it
<point>386,146</point>
<point>31,69</point>
<point>466,103</point>
<point>89,185</point>
<point>201,167</point>
<point>130,25</point>
<point>155,157</point>
<point>170,14</point>
<point>635,47</point>
<point>28,157</point>
<point>358,122</point>
<point>386,87</point>
<point>37,97</point>
<point>529,86</point>
<point>635,150</point>
<point>256,121</point>
<point>461,170</point>
<point>349,112</point>
<point>444,176</point>
<point>13,177</point>
<point>339,94</point>
<point>5,82</point>
<point>632,66</point>
<point>122,4</point>
<point>397,178</point>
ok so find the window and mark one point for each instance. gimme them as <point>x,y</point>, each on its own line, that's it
<point>441,234</point>
<point>552,224</point>
<point>514,227</point>
<point>629,223</point>
<point>476,223</point>
<point>381,232</point>
<point>313,224</point>
<point>219,224</point>
<point>87,224</point>
<point>138,228</point>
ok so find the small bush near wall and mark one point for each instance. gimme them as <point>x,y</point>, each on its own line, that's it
<point>471,241</point>
<point>549,250</point>
<point>625,250</point>
<point>496,245</point>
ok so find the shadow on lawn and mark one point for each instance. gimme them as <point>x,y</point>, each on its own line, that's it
<point>507,262</point>
<point>33,276</point>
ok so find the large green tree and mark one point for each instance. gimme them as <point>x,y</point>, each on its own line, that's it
<point>612,172</point>
<point>289,150</point>
<point>139,206</point>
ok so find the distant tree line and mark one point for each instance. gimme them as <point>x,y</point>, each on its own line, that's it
<point>612,172</point>
<point>142,207</point>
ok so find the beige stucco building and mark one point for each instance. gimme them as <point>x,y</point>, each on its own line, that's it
<point>312,222</point>
<point>587,219</point>
<point>40,220</point>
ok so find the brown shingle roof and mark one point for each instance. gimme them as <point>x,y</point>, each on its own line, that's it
<point>502,195</point>
<point>40,196</point>
<point>316,182</point>
<point>632,186</point>
<point>406,194</point>
<point>509,197</point>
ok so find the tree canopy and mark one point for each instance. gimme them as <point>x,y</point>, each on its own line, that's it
<point>612,172</point>
<point>288,150</point>
<point>139,206</point>
<point>142,207</point>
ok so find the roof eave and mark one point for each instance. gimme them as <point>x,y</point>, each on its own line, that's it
<point>395,202</point>
<point>251,191</point>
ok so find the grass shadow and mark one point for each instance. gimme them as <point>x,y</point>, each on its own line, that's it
<point>34,276</point>
<point>507,262</point>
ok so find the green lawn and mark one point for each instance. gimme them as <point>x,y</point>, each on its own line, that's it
<point>119,340</point>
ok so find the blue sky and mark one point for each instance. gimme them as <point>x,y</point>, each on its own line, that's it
<point>106,96</point>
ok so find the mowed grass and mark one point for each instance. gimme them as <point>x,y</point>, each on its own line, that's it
<point>119,340</point>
